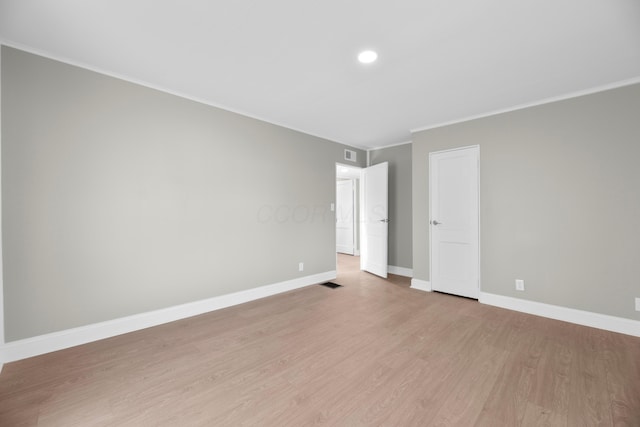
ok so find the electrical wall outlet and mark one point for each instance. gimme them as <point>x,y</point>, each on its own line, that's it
<point>519,285</point>
<point>637,304</point>
<point>301,266</point>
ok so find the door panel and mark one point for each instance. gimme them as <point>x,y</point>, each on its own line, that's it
<point>374,250</point>
<point>454,222</point>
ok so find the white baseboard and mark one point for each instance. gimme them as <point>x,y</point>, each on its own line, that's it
<point>421,285</point>
<point>400,271</point>
<point>47,343</point>
<point>580,317</point>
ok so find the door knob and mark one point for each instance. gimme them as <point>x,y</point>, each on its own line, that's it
<point>434,222</point>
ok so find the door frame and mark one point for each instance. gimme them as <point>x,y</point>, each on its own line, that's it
<point>358,208</point>
<point>476,146</point>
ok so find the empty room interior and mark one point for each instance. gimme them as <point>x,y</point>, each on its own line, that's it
<point>409,213</point>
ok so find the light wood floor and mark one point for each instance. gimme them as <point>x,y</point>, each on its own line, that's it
<point>371,353</point>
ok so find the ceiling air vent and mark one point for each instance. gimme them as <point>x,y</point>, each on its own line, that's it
<point>350,155</point>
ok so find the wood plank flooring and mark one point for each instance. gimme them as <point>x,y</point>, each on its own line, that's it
<point>373,352</point>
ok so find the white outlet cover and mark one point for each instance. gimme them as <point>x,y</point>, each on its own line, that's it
<point>301,266</point>
<point>637,304</point>
<point>519,285</point>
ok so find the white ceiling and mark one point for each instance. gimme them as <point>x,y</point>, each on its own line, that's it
<point>293,62</point>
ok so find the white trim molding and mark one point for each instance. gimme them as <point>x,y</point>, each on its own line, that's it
<point>66,60</point>
<point>563,97</point>
<point>421,285</point>
<point>47,343</point>
<point>400,271</point>
<point>397,144</point>
<point>579,317</point>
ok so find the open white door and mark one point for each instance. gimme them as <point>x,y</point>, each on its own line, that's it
<point>375,219</point>
<point>453,201</point>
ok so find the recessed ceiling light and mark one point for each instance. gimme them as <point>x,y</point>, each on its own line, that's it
<point>367,56</point>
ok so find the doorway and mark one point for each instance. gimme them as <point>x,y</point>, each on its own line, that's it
<point>346,216</point>
<point>454,221</point>
<point>348,209</point>
<point>369,234</point>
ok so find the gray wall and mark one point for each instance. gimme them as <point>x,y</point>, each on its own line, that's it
<point>560,200</point>
<point>119,199</point>
<point>400,225</point>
